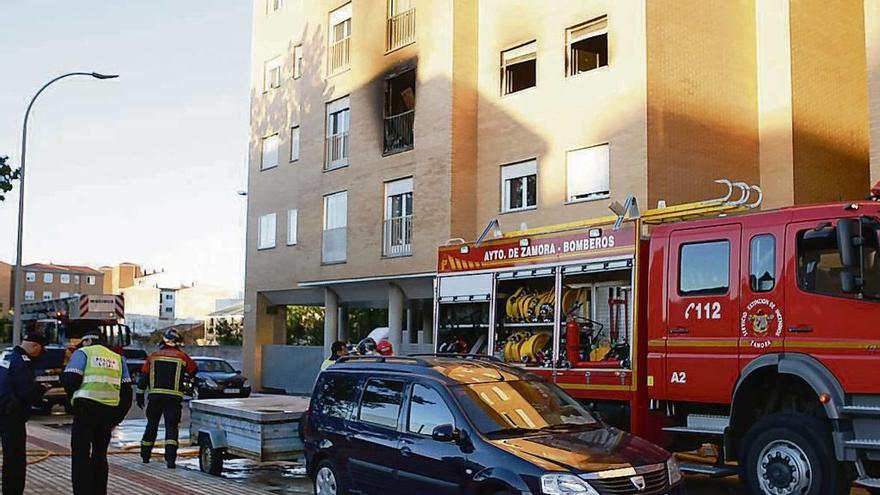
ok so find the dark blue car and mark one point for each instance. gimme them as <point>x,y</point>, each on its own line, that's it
<point>452,425</point>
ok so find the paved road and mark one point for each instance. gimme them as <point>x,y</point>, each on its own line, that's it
<point>290,479</point>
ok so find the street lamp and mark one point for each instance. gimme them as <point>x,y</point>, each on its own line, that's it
<point>18,282</point>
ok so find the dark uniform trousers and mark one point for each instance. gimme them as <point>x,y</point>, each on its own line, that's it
<point>14,436</point>
<point>93,425</point>
<point>170,407</point>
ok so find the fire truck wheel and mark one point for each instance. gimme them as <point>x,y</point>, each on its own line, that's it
<point>790,454</point>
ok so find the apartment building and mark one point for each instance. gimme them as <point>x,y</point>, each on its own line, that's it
<point>50,281</point>
<point>120,276</point>
<point>380,129</point>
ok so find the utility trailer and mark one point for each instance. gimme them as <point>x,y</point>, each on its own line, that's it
<point>262,428</point>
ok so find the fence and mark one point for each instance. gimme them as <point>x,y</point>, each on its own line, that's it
<point>399,131</point>
<point>401,29</point>
<point>340,57</point>
<point>337,150</point>
<point>398,236</point>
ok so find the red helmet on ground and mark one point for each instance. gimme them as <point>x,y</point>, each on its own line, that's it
<point>384,348</point>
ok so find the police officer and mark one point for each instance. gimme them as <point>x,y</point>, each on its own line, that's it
<point>163,376</point>
<point>337,350</point>
<point>97,380</point>
<point>18,392</point>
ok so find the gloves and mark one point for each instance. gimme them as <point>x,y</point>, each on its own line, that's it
<point>139,398</point>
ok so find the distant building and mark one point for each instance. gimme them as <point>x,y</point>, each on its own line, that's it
<point>50,281</point>
<point>121,276</point>
<point>153,304</point>
<point>5,288</point>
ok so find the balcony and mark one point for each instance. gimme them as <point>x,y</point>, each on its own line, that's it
<point>401,29</point>
<point>398,236</point>
<point>399,132</point>
<point>333,247</point>
<point>340,55</point>
<point>337,151</point>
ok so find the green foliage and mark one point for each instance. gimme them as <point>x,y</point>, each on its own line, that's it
<point>7,176</point>
<point>228,333</point>
<point>305,325</point>
<point>362,321</point>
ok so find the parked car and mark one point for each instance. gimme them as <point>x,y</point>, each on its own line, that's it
<point>217,378</point>
<point>454,425</point>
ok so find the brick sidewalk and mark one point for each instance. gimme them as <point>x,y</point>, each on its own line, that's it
<point>127,474</point>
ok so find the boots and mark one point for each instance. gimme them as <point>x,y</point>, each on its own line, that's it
<point>170,456</point>
<point>146,452</point>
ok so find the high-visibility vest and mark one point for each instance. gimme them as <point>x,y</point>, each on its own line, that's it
<point>102,378</point>
<point>166,375</point>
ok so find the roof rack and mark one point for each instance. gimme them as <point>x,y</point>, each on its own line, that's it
<point>382,359</point>
<point>459,355</point>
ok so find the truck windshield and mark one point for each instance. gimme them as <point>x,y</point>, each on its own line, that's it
<point>504,408</point>
<point>819,263</point>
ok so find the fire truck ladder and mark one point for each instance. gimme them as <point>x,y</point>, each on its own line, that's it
<point>724,205</point>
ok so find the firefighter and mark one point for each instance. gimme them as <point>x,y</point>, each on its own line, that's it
<point>97,380</point>
<point>163,375</point>
<point>18,392</point>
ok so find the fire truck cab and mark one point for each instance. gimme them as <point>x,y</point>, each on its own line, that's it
<point>704,323</point>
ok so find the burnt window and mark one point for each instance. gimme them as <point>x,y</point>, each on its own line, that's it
<point>400,111</point>
<point>704,268</point>
<point>587,46</point>
<point>519,68</point>
<point>762,264</point>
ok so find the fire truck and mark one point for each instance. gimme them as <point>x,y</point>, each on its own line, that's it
<point>707,323</point>
<point>65,321</point>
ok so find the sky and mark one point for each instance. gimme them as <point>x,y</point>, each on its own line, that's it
<point>143,168</point>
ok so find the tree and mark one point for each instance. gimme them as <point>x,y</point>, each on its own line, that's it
<point>228,333</point>
<point>305,325</point>
<point>7,176</point>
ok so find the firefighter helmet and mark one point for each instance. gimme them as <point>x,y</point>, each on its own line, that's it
<point>172,338</point>
<point>384,348</point>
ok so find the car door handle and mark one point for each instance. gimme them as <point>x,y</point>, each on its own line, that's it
<point>678,331</point>
<point>349,437</point>
<point>406,451</point>
<point>800,329</point>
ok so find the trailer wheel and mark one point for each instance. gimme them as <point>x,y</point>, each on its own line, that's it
<point>790,454</point>
<point>210,459</point>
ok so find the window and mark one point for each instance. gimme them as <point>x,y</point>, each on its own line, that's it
<point>704,268</point>
<point>272,74</point>
<point>28,295</point>
<point>168,297</point>
<point>47,295</point>
<point>588,173</point>
<point>274,5</point>
<point>65,278</point>
<point>401,25</point>
<point>337,395</point>
<point>266,232</point>
<point>291,226</point>
<point>335,227</point>
<point>62,295</point>
<point>820,267</point>
<point>340,36</point>
<point>427,410</point>
<point>30,277</point>
<point>762,271</point>
<point>398,217</point>
<point>76,279</point>
<point>294,143</point>
<point>338,121</point>
<point>518,68</point>
<point>90,279</point>
<point>269,152</point>
<point>48,278</point>
<point>400,111</point>
<point>297,61</point>
<point>519,184</point>
<point>381,401</point>
<point>169,309</point>
<point>587,46</point>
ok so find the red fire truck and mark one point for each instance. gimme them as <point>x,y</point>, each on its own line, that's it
<point>703,323</point>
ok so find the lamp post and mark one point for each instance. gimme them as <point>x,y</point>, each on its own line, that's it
<point>19,282</point>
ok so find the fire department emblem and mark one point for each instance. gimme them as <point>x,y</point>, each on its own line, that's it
<point>761,319</point>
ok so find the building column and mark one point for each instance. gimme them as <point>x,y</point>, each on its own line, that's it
<point>395,317</point>
<point>411,332</point>
<point>264,324</point>
<point>428,322</point>
<point>872,45</point>
<point>331,316</point>
<point>342,323</point>
<point>775,126</point>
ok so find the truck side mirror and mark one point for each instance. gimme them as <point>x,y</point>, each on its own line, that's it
<point>848,237</point>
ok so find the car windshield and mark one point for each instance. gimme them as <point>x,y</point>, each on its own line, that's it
<point>214,366</point>
<point>520,406</point>
<point>135,354</point>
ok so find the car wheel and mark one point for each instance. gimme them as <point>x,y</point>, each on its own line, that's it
<point>790,454</point>
<point>328,481</point>
<point>210,459</point>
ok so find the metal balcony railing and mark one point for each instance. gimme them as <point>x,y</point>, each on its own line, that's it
<point>334,244</point>
<point>401,29</point>
<point>399,131</point>
<point>337,151</point>
<point>340,55</point>
<point>398,236</point>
